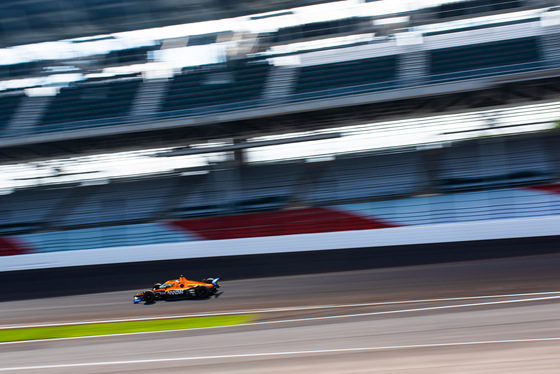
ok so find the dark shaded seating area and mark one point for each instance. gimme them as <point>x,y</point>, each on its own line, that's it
<point>346,77</point>
<point>89,101</point>
<point>485,58</point>
<point>8,106</point>
<point>216,86</point>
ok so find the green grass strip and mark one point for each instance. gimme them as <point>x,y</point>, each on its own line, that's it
<point>113,328</point>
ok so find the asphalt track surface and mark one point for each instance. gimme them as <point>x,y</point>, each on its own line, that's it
<point>490,316</point>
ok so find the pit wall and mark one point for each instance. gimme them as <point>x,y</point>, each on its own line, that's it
<point>508,203</point>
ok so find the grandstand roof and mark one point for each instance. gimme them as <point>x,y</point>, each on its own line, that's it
<point>33,21</point>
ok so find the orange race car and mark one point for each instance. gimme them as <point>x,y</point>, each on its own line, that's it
<point>181,288</point>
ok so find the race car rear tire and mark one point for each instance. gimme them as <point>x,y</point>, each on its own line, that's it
<point>202,292</point>
<point>149,297</point>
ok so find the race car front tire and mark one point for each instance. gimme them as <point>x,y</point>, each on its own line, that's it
<point>149,297</point>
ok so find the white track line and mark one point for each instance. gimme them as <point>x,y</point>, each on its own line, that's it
<point>273,354</point>
<point>405,310</point>
<point>286,309</point>
<point>302,319</point>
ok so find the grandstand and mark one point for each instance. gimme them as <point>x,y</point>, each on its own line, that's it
<point>423,69</point>
<point>311,77</point>
<point>486,178</point>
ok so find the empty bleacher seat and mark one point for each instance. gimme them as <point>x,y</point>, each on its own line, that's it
<point>8,105</point>
<point>28,209</point>
<point>474,7</point>
<point>121,201</point>
<point>85,104</point>
<point>346,77</point>
<point>228,88</point>
<point>493,163</point>
<point>367,177</point>
<point>528,153</point>
<point>315,29</point>
<point>258,187</point>
<point>104,237</point>
<point>200,198</point>
<point>264,180</point>
<point>485,58</point>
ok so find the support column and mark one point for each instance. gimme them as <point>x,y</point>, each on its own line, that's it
<point>430,161</point>
<point>550,45</point>
<point>240,155</point>
<point>148,99</point>
<point>279,84</point>
<point>413,66</point>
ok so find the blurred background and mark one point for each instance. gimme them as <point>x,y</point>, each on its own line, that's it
<point>127,123</point>
<point>376,181</point>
